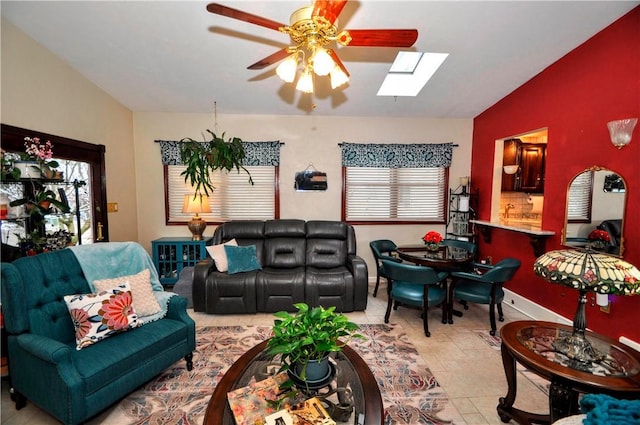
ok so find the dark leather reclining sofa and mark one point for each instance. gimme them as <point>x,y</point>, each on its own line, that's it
<point>313,262</point>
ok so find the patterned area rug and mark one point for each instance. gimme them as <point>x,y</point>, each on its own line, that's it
<point>410,392</point>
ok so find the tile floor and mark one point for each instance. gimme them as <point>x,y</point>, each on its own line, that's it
<point>467,368</point>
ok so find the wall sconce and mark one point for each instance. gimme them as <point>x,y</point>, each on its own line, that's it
<point>621,130</point>
<point>602,300</point>
<point>510,169</point>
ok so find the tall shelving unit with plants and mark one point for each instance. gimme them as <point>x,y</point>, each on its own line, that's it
<point>463,204</point>
<point>30,223</point>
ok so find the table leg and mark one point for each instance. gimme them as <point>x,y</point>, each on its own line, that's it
<point>451,284</point>
<point>505,408</point>
<point>563,401</point>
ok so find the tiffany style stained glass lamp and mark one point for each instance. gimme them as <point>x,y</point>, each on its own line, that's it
<point>586,271</point>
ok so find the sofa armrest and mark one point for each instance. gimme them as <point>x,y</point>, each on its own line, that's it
<point>177,310</point>
<point>358,268</point>
<point>52,360</point>
<point>199,287</point>
<point>44,348</point>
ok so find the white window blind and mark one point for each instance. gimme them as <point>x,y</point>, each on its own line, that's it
<point>395,194</point>
<point>234,198</point>
<point>579,204</point>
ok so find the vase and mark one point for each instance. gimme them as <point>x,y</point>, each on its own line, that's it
<point>28,169</point>
<point>598,245</point>
<point>315,372</point>
<point>431,246</point>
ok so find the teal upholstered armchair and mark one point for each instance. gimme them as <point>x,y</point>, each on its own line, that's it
<point>415,286</point>
<point>45,367</point>
<point>382,250</point>
<point>485,288</point>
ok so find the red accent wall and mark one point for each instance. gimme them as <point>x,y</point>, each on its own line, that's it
<point>574,98</point>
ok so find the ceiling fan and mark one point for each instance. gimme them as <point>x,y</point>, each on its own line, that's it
<point>312,28</point>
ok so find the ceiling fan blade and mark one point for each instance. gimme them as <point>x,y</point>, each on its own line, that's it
<point>229,12</point>
<point>329,9</point>
<point>270,60</point>
<point>338,62</point>
<point>383,38</point>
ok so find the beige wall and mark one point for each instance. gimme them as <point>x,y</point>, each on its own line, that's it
<point>306,139</point>
<point>43,93</point>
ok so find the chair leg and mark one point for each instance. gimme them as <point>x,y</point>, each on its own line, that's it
<point>375,290</point>
<point>445,312</point>
<point>492,318</point>
<point>189,359</point>
<point>425,321</point>
<point>425,311</point>
<point>388,313</point>
<point>500,315</point>
<point>18,398</point>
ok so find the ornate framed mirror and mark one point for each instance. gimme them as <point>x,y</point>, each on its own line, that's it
<point>591,207</point>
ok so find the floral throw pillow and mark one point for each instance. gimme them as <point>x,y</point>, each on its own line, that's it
<point>99,316</point>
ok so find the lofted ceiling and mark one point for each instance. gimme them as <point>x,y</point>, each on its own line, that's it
<point>174,56</point>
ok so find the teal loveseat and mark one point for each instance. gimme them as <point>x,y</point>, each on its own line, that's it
<point>44,365</point>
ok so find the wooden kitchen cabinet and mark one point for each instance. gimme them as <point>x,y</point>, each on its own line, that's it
<point>532,168</point>
<point>511,156</point>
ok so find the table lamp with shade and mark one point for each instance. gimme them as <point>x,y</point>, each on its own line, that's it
<point>197,203</point>
<point>587,271</point>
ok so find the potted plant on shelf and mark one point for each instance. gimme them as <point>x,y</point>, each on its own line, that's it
<point>203,158</point>
<point>31,243</point>
<point>40,204</point>
<point>305,339</point>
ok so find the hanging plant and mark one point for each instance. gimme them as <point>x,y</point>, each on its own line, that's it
<point>204,158</point>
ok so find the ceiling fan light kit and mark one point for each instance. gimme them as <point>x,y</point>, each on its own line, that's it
<point>311,29</point>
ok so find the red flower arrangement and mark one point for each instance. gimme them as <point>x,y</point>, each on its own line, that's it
<point>432,237</point>
<point>599,235</point>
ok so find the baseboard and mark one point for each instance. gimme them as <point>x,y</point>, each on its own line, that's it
<point>531,309</point>
<point>537,312</point>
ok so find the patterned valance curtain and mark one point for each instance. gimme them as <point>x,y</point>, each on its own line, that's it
<point>380,155</point>
<point>257,153</point>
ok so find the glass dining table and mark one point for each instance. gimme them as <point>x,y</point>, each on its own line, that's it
<point>445,259</point>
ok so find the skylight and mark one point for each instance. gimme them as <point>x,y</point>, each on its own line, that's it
<point>410,72</point>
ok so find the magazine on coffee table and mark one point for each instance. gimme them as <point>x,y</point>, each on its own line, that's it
<point>250,404</point>
<point>308,412</point>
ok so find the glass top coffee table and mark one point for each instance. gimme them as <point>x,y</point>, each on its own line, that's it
<point>351,371</point>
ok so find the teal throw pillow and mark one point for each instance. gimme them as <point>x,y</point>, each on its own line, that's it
<point>242,258</point>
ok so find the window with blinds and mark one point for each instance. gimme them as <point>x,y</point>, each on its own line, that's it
<point>580,196</point>
<point>234,198</point>
<point>394,194</point>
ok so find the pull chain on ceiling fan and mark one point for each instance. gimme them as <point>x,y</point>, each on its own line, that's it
<point>311,29</point>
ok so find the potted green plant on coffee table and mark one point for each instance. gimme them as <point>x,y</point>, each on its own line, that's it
<point>305,339</point>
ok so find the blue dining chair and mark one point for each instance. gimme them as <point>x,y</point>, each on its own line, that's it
<point>485,288</point>
<point>463,245</point>
<point>468,246</point>
<point>415,286</point>
<point>382,249</point>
